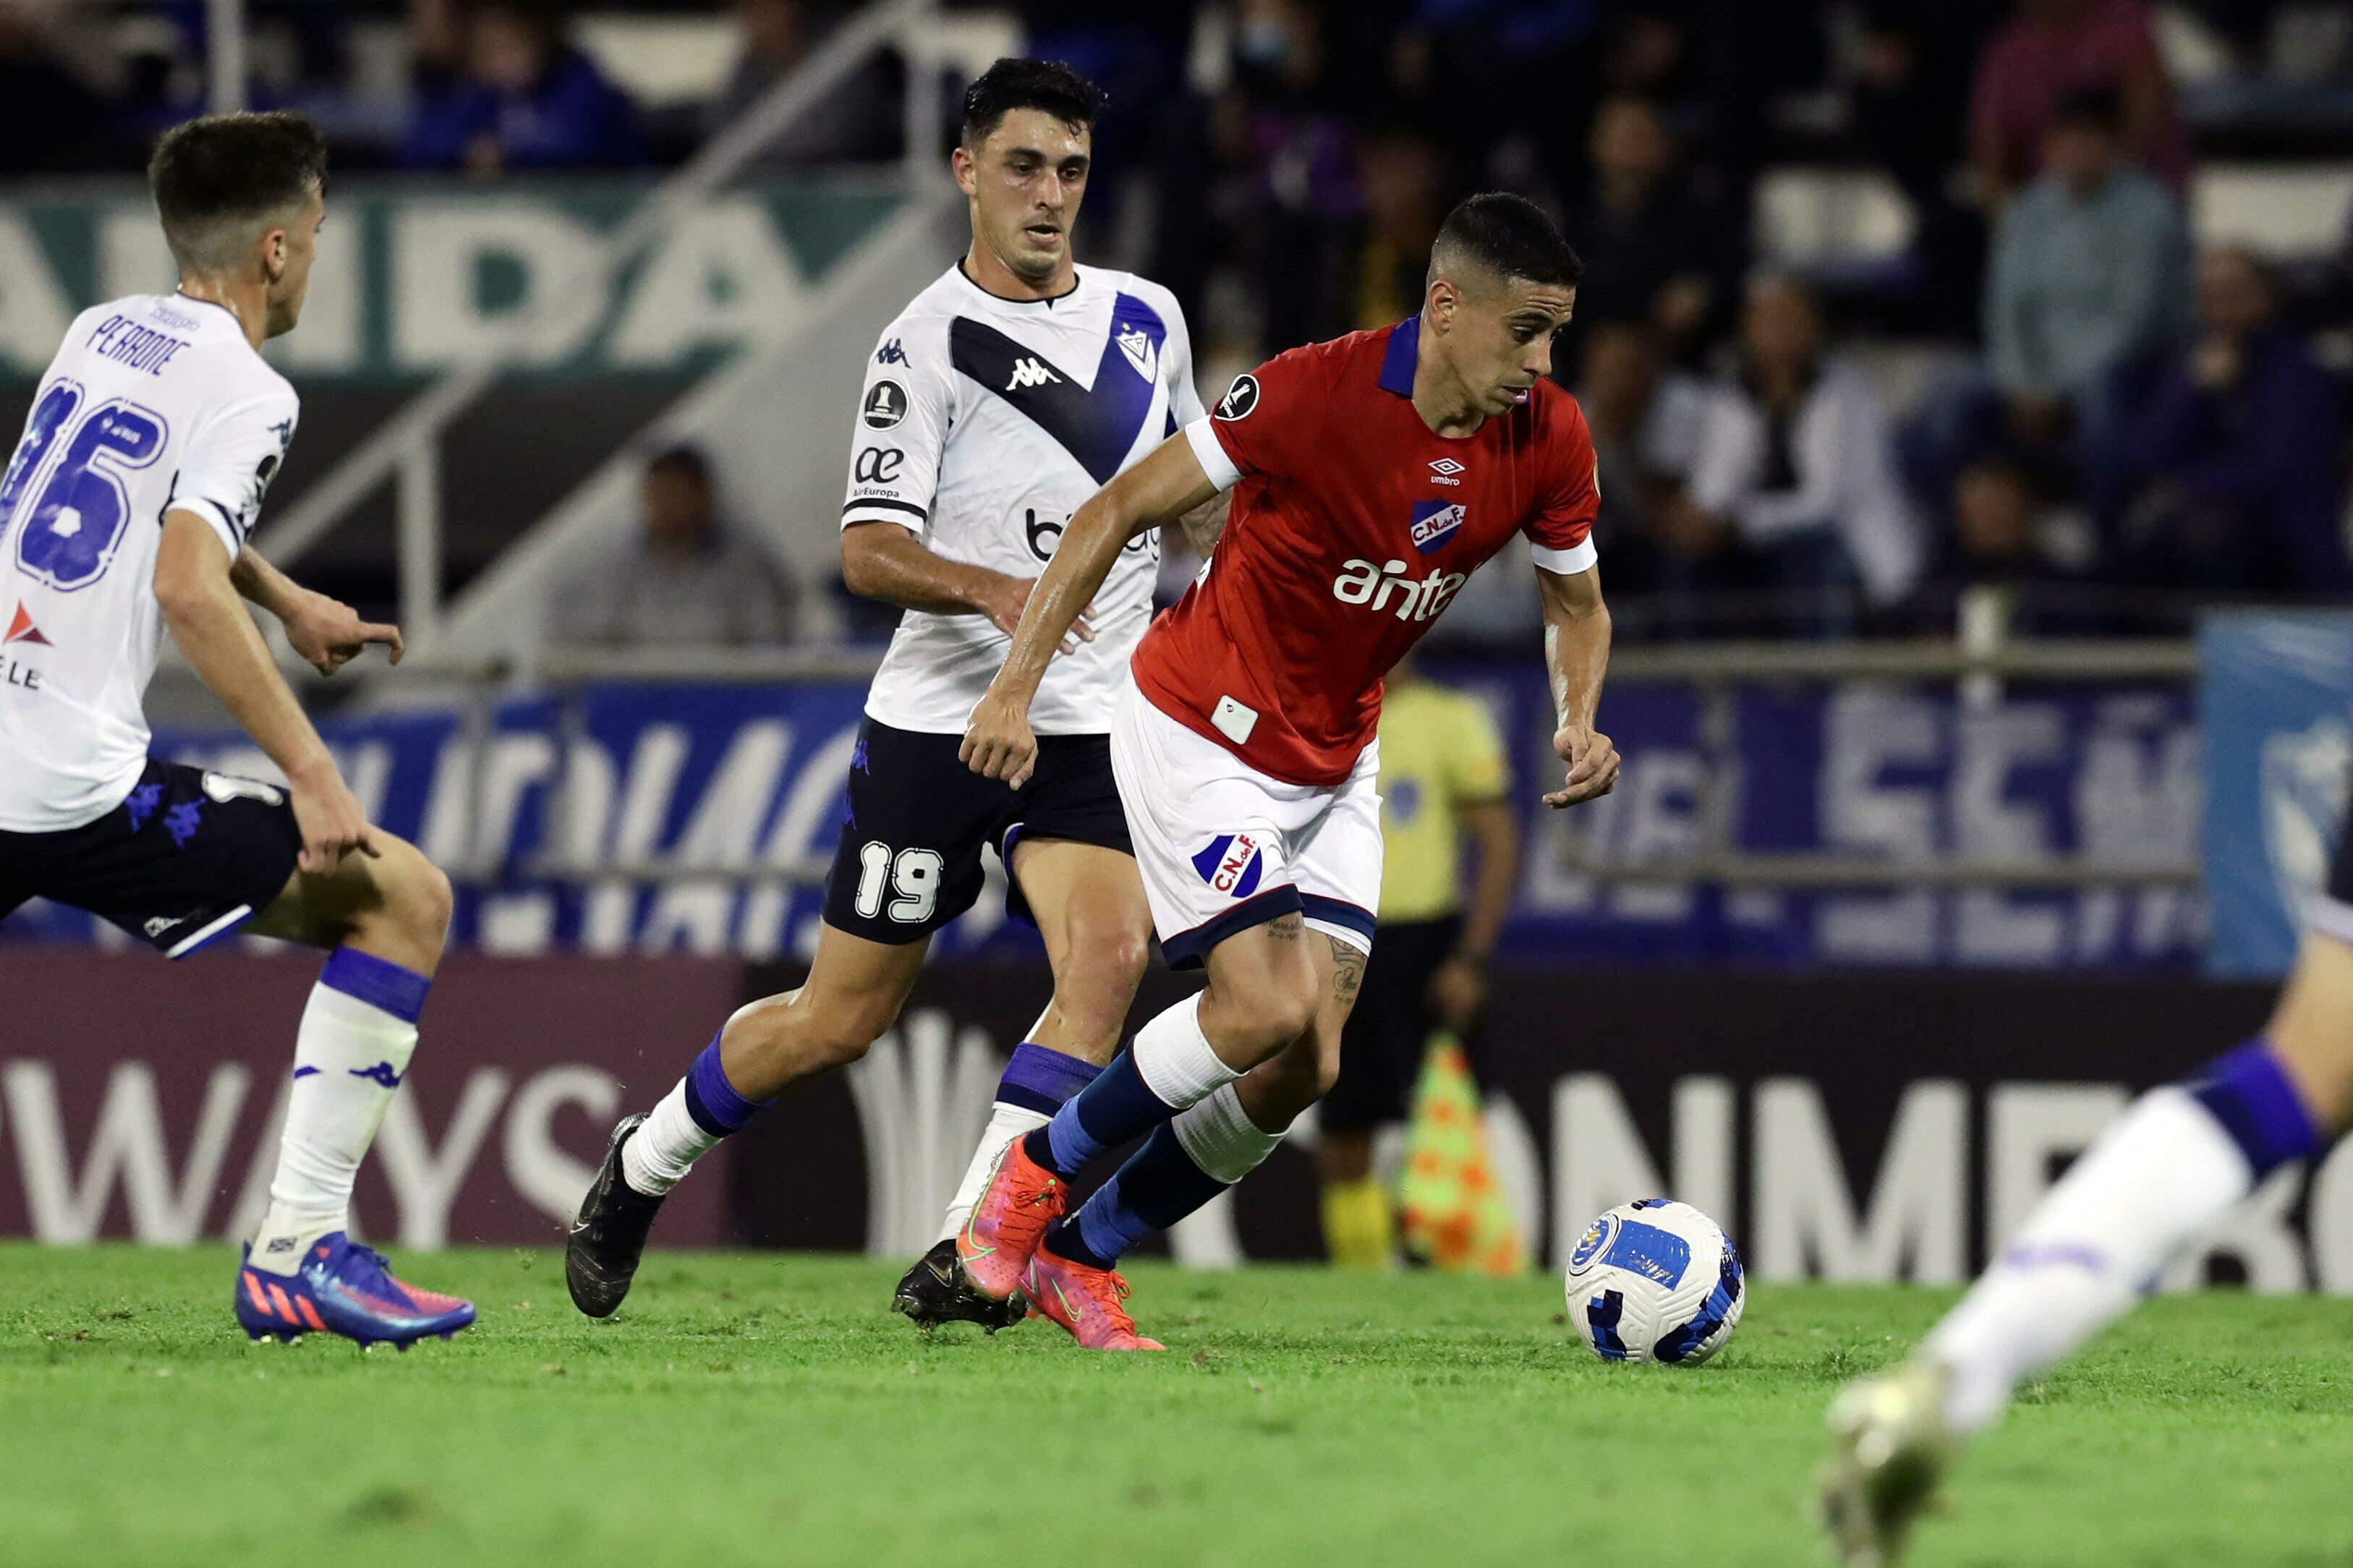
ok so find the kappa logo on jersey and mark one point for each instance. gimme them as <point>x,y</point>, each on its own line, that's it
<point>21,630</point>
<point>1417,599</point>
<point>1434,522</point>
<point>1029,372</point>
<point>1231,863</point>
<point>886,405</point>
<point>1141,350</point>
<point>1240,398</point>
<point>227,787</point>
<point>891,353</point>
<point>1442,471</point>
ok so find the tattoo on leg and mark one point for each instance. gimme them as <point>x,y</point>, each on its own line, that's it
<point>1285,927</point>
<point>1348,974</point>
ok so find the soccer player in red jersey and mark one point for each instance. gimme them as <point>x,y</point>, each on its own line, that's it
<point>1371,476</point>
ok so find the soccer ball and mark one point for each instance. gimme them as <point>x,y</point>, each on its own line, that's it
<point>1655,1281</point>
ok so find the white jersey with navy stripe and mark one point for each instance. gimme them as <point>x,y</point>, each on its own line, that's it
<point>984,422</point>
<point>154,403</point>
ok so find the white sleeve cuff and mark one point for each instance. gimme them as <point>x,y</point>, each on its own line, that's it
<point>1564,563</point>
<point>1212,454</point>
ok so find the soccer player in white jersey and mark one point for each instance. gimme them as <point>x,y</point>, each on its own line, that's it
<point>2140,1200</point>
<point>125,510</point>
<point>1002,397</point>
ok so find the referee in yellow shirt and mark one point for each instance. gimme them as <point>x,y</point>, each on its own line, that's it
<point>1443,780</point>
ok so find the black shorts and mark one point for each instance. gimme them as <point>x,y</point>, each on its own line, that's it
<point>188,858</point>
<point>909,861</point>
<point>1388,1030</point>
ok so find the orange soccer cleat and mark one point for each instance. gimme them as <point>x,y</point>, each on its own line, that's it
<point>1084,1300</point>
<point>1022,1198</point>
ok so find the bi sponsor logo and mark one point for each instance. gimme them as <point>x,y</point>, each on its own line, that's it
<point>1232,864</point>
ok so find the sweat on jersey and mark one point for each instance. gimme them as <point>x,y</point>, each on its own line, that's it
<point>1351,525</point>
<point>154,403</point>
<point>984,422</point>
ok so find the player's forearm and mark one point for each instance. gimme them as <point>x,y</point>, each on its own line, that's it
<point>1576,658</point>
<point>225,648</point>
<point>882,561</point>
<point>262,584</point>
<point>1495,832</point>
<point>1090,548</point>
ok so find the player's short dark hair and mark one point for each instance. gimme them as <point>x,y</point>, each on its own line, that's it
<point>1509,236</point>
<point>686,462</point>
<point>215,179</point>
<point>1014,82</point>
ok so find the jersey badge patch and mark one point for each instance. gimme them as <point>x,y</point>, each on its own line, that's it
<point>885,405</point>
<point>1231,863</point>
<point>21,630</point>
<point>1240,398</point>
<point>1141,350</point>
<point>1434,522</point>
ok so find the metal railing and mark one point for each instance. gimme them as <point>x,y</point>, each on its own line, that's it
<point>405,452</point>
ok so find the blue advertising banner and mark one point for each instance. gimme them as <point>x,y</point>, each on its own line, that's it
<point>645,776</point>
<point>2277,693</point>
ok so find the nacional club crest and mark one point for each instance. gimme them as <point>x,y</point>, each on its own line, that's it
<point>1231,863</point>
<point>1141,352</point>
<point>1434,522</point>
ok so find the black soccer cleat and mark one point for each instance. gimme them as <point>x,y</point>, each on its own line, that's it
<point>933,1292</point>
<point>608,1239</point>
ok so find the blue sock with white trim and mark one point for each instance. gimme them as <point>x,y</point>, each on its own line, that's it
<point>689,1122</point>
<point>351,1051</point>
<point>1037,1082</point>
<point>2142,1197</point>
<point>1170,1066</point>
<point>1181,1167</point>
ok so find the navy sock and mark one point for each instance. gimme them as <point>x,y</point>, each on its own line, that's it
<point>1159,1185</point>
<point>711,1100</point>
<point>2249,1093</point>
<point>1043,1080</point>
<point>1117,1106</point>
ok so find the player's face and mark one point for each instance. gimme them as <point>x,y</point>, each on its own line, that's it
<point>1026,182</point>
<point>1500,338</point>
<point>294,248</point>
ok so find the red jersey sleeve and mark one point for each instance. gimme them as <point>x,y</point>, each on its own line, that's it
<point>1561,528</point>
<point>1265,423</point>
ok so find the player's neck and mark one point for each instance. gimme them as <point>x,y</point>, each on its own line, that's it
<point>1444,404</point>
<point>248,302</point>
<point>991,276</point>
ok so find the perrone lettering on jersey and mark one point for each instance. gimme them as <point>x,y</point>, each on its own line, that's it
<point>1362,582</point>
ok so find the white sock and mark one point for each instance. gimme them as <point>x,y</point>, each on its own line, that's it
<point>1175,1059</point>
<point>2153,1186</point>
<point>1222,1138</point>
<point>349,1057</point>
<point>1006,1123</point>
<point>665,1146</point>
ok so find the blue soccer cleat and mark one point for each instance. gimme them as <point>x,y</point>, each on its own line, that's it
<point>343,1288</point>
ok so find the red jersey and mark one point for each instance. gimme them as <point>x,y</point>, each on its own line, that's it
<point>1352,524</point>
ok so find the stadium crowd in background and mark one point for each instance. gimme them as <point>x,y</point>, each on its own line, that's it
<point>2046,392</point>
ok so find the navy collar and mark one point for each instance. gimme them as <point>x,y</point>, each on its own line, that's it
<point>1396,365</point>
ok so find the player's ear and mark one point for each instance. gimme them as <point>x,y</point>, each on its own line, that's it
<point>967,170</point>
<point>273,254</point>
<point>1438,307</point>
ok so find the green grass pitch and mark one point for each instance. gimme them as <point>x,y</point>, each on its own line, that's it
<point>764,1409</point>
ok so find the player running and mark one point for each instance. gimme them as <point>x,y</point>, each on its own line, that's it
<point>2140,1200</point>
<point>152,436</point>
<point>1371,476</point>
<point>1000,399</point>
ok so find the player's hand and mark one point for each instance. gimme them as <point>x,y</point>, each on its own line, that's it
<point>1592,765</point>
<point>1458,992</point>
<point>997,743</point>
<point>1008,596</point>
<point>332,823</point>
<point>329,634</point>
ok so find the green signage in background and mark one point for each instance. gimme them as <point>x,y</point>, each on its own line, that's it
<point>413,279</point>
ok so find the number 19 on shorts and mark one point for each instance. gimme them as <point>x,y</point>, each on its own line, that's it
<point>912,875</point>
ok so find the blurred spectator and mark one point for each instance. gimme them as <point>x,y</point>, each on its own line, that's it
<point>522,99</point>
<point>1797,468</point>
<point>2091,269</point>
<point>49,119</point>
<point>1403,178</point>
<point>2237,458</point>
<point>1911,91</point>
<point>1655,249</point>
<point>860,122</point>
<point>2051,51</point>
<point>685,581</point>
<point>1647,419</point>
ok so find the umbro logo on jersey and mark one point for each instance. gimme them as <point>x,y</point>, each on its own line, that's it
<point>21,630</point>
<point>891,353</point>
<point>1231,863</point>
<point>1137,345</point>
<point>1029,373</point>
<point>1434,522</point>
<point>1442,471</point>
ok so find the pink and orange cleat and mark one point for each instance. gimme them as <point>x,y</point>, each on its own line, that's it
<point>1086,1301</point>
<point>1022,1198</point>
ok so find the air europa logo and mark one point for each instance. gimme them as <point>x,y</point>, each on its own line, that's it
<point>1417,599</point>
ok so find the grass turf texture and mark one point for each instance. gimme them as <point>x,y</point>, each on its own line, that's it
<point>765,1408</point>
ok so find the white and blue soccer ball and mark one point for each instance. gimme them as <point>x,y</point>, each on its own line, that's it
<point>1655,1281</point>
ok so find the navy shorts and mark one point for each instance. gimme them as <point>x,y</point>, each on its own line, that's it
<point>188,858</point>
<point>909,859</point>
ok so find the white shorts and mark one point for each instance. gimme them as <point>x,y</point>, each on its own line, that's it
<point>1223,847</point>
